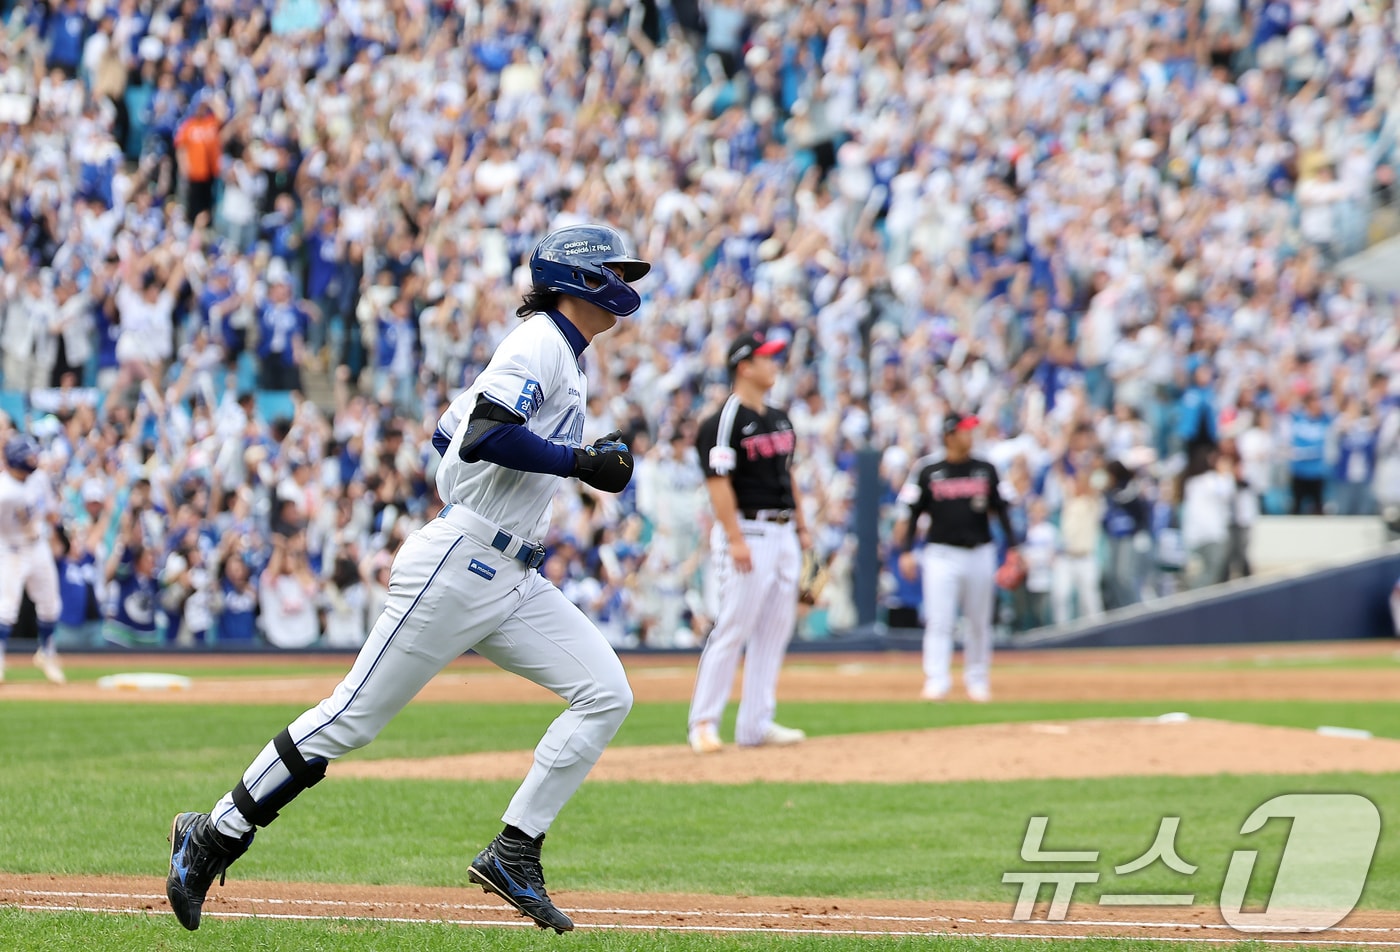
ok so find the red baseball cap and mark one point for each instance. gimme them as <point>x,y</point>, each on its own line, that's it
<point>753,344</point>
<point>954,422</point>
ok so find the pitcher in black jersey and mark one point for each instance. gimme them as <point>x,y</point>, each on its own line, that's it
<point>958,559</point>
<point>756,548</point>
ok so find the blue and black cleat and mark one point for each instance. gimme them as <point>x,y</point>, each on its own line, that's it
<point>198,853</point>
<point>511,869</point>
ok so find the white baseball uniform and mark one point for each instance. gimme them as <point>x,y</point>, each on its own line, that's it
<point>958,563</point>
<point>26,558</point>
<point>461,582</point>
<point>757,610</point>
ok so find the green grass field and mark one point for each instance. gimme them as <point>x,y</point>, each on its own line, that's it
<point>90,788</point>
<point>61,932</point>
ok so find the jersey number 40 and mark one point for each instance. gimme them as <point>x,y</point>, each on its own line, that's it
<point>569,431</point>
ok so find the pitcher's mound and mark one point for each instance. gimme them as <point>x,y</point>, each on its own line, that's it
<point>1172,745</point>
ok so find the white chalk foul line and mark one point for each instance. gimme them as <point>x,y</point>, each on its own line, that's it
<point>1385,930</point>
<point>848,917</point>
<point>617,911</point>
<point>306,917</point>
<point>379,904</point>
<point>267,901</point>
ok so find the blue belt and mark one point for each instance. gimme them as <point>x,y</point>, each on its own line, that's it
<point>529,554</point>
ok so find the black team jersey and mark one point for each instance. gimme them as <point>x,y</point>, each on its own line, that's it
<point>957,498</point>
<point>753,449</point>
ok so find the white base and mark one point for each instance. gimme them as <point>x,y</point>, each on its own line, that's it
<point>144,681</point>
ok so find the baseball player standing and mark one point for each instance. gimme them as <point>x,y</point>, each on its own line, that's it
<point>756,548</point>
<point>27,501</point>
<point>470,579</point>
<point>958,557</point>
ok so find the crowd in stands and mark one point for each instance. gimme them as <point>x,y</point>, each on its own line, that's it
<point>1106,228</point>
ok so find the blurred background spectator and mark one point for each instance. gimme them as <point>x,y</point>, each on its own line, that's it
<point>252,248</point>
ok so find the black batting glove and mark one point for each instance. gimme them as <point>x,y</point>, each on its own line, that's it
<point>611,443</point>
<point>606,465</point>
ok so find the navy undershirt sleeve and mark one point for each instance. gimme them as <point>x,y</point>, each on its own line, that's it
<point>441,441</point>
<point>515,447</point>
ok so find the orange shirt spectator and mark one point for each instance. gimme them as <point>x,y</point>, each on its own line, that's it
<point>198,143</point>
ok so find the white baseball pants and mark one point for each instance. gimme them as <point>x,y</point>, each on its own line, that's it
<point>32,567</point>
<point>756,615</point>
<point>955,578</point>
<point>440,605</point>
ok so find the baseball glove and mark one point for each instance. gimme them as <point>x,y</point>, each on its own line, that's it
<point>812,580</point>
<point>1012,574</point>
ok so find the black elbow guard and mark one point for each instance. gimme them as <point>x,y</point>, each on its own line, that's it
<point>486,416</point>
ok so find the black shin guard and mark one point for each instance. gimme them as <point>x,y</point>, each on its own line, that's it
<point>304,773</point>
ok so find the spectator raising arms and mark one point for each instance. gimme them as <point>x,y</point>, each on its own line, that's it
<point>288,595</point>
<point>347,606</point>
<point>282,327</point>
<point>132,592</point>
<point>80,618</point>
<point>237,604</point>
<point>1110,237</point>
<point>146,307</point>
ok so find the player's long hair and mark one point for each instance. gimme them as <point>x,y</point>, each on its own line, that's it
<point>537,299</point>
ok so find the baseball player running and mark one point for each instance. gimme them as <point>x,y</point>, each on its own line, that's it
<point>756,548</point>
<point>469,579</point>
<point>958,557</point>
<point>27,500</point>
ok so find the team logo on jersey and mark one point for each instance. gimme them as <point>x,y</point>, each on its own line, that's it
<point>769,445</point>
<point>531,396</point>
<point>959,487</point>
<point>139,608</point>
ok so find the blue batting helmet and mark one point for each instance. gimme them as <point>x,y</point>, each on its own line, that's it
<point>565,259</point>
<point>21,453</point>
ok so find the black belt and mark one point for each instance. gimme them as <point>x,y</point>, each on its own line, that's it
<point>781,516</point>
<point>958,544</point>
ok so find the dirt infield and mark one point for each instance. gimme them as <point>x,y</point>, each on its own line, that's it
<point>1062,749</point>
<point>1236,672</point>
<point>1087,748</point>
<point>668,911</point>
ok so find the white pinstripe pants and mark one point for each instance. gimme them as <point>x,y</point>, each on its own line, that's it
<point>757,614</point>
